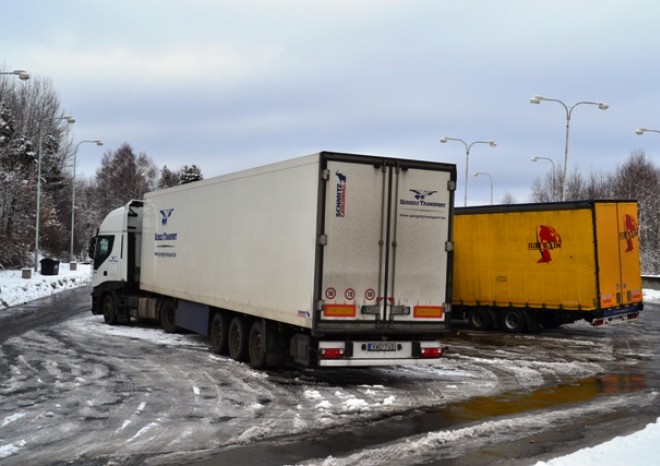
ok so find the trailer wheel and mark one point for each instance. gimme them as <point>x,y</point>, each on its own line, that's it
<point>513,321</point>
<point>168,316</point>
<point>220,333</point>
<point>238,339</point>
<point>257,346</point>
<point>480,319</point>
<point>110,310</point>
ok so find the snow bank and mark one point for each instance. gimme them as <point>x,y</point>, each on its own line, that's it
<point>651,295</point>
<point>639,448</point>
<point>17,290</point>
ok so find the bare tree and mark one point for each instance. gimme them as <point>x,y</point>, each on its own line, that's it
<point>544,189</point>
<point>508,198</point>
<point>29,114</point>
<point>168,178</point>
<point>123,176</point>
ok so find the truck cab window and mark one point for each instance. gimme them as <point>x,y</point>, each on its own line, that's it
<point>103,249</point>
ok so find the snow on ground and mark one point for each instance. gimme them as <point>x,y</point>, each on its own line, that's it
<point>638,448</point>
<point>17,290</point>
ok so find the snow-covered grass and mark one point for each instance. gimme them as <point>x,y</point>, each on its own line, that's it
<point>17,290</point>
<point>636,449</point>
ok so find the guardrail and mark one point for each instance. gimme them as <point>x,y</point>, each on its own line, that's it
<point>651,282</point>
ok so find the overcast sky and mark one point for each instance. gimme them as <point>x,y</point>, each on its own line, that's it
<point>234,84</point>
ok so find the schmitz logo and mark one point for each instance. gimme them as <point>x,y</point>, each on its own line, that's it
<point>165,215</point>
<point>630,231</point>
<point>341,195</point>
<point>547,240</point>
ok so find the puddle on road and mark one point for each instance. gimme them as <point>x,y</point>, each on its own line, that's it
<point>451,416</point>
<point>512,403</point>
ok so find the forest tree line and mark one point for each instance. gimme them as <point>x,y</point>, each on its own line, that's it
<point>31,118</point>
<point>32,121</point>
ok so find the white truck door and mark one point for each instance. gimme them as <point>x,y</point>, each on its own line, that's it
<point>386,230</point>
<point>420,223</point>
<point>354,255</point>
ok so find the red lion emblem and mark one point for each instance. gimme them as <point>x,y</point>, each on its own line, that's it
<point>547,239</point>
<point>631,230</point>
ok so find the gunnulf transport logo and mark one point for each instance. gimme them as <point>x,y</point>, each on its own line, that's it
<point>422,198</point>
<point>164,241</point>
<point>630,231</point>
<point>422,204</point>
<point>548,242</point>
<point>340,210</point>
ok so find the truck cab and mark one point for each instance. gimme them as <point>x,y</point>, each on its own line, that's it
<point>115,250</point>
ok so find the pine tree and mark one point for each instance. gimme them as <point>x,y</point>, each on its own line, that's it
<point>188,174</point>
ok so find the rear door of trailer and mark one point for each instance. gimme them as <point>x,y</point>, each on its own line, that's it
<point>619,271</point>
<point>384,263</point>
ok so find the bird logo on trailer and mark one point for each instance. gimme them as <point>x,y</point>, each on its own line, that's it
<point>631,230</point>
<point>547,240</point>
<point>340,210</point>
<point>165,214</point>
<point>420,194</point>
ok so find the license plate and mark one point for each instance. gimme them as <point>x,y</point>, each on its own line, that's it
<point>381,346</point>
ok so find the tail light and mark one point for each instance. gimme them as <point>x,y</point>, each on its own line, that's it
<point>331,353</point>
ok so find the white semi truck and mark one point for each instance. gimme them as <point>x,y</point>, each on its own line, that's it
<point>325,260</point>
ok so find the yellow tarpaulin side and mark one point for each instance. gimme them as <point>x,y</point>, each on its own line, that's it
<point>526,259</point>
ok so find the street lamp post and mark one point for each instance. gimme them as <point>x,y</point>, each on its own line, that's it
<point>98,142</point>
<point>22,74</point>
<point>536,158</point>
<point>70,120</point>
<point>444,139</point>
<point>491,183</point>
<point>640,131</point>
<point>537,99</point>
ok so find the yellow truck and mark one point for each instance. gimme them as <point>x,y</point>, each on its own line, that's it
<point>522,267</point>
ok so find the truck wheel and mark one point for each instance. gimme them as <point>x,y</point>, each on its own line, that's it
<point>168,316</point>
<point>238,339</point>
<point>513,321</point>
<point>257,345</point>
<point>220,333</point>
<point>480,319</point>
<point>110,310</point>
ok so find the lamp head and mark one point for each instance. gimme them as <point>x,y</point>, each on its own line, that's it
<point>443,139</point>
<point>492,143</point>
<point>640,131</point>
<point>536,99</point>
<point>603,106</point>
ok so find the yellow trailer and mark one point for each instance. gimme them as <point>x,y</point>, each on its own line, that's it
<point>523,266</point>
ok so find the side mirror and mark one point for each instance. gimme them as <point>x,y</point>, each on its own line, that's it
<point>92,247</point>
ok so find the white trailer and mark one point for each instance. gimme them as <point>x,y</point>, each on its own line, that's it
<point>326,260</point>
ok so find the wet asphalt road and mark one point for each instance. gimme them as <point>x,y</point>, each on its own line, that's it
<point>627,387</point>
<point>634,371</point>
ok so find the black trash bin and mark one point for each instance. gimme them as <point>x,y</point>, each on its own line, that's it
<point>49,267</point>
